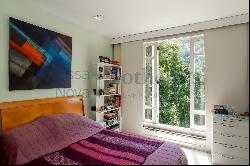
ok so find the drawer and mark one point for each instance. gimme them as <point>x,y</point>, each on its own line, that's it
<point>234,123</point>
<point>223,159</point>
<point>231,150</point>
<point>232,128</point>
<point>219,118</point>
<point>231,139</point>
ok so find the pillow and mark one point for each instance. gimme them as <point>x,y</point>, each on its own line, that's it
<point>45,135</point>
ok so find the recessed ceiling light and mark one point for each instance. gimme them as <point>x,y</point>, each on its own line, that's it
<point>98,17</point>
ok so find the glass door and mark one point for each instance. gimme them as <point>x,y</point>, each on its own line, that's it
<point>174,86</point>
<point>150,83</point>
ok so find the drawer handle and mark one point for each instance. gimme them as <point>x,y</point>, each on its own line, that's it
<point>227,135</point>
<point>229,146</point>
<point>226,125</point>
<point>227,156</point>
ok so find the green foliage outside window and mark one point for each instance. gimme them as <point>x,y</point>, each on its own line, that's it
<point>174,86</point>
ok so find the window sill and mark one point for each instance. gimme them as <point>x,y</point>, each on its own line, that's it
<point>175,128</point>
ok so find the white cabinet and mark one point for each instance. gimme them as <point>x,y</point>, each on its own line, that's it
<point>230,140</point>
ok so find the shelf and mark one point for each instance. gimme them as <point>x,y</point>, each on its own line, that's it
<point>115,123</point>
<point>108,110</point>
<point>108,79</point>
<point>113,127</point>
<point>107,64</point>
<point>110,95</point>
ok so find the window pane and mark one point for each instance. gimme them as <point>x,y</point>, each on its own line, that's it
<point>149,51</point>
<point>148,114</point>
<point>174,85</point>
<point>199,120</point>
<point>148,95</point>
<point>148,83</point>
<point>185,50</point>
<point>199,46</point>
<point>199,83</point>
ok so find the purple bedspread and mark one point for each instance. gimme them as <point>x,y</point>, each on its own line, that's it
<point>69,139</point>
<point>44,135</point>
<point>109,147</point>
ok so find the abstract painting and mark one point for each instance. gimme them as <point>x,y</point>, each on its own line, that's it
<point>38,58</point>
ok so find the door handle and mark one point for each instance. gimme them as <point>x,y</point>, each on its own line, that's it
<point>227,156</point>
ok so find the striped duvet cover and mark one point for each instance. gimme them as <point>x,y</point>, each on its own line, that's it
<point>70,139</point>
<point>109,147</point>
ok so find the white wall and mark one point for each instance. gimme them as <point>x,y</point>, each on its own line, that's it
<point>227,81</point>
<point>87,46</point>
<point>117,52</point>
<point>226,69</point>
<point>132,89</point>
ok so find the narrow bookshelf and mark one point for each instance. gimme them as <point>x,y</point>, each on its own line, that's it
<point>108,95</point>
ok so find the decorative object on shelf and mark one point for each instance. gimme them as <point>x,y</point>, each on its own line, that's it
<point>94,91</point>
<point>109,122</point>
<point>101,92</point>
<point>100,76</point>
<point>227,110</point>
<point>104,59</point>
<point>93,108</point>
<point>241,114</point>
<point>100,69</point>
<point>222,109</point>
<point>107,91</point>
<point>101,59</point>
<point>112,88</point>
<point>109,116</point>
<point>101,109</point>
<point>115,63</point>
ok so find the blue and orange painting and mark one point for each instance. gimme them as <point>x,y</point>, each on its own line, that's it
<point>38,58</point>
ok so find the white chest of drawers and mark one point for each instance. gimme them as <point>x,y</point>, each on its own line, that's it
<point>230,140</point>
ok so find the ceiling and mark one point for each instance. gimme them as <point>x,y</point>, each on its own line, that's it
<point>123,17</point>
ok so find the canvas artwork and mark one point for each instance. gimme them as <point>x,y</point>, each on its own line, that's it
<point>38,58</point>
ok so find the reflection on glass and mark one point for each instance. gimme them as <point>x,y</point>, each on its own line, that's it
<point>199,120</point>
<point>148,114</point>
<point>184,44</point>
<point>199,46</point>
<point>149,50</point>
<point>148,95</point>
<point>148,75</point>
<point>199,83</point>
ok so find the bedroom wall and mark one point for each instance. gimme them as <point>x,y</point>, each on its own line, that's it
<point>227,70</point>
<point>227,53</point>
<point>87,46</point>
<point>132,86</point>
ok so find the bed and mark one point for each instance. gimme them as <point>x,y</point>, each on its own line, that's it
<point>56,132</point>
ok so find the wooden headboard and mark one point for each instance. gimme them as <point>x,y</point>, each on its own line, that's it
<point>17,113</point>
